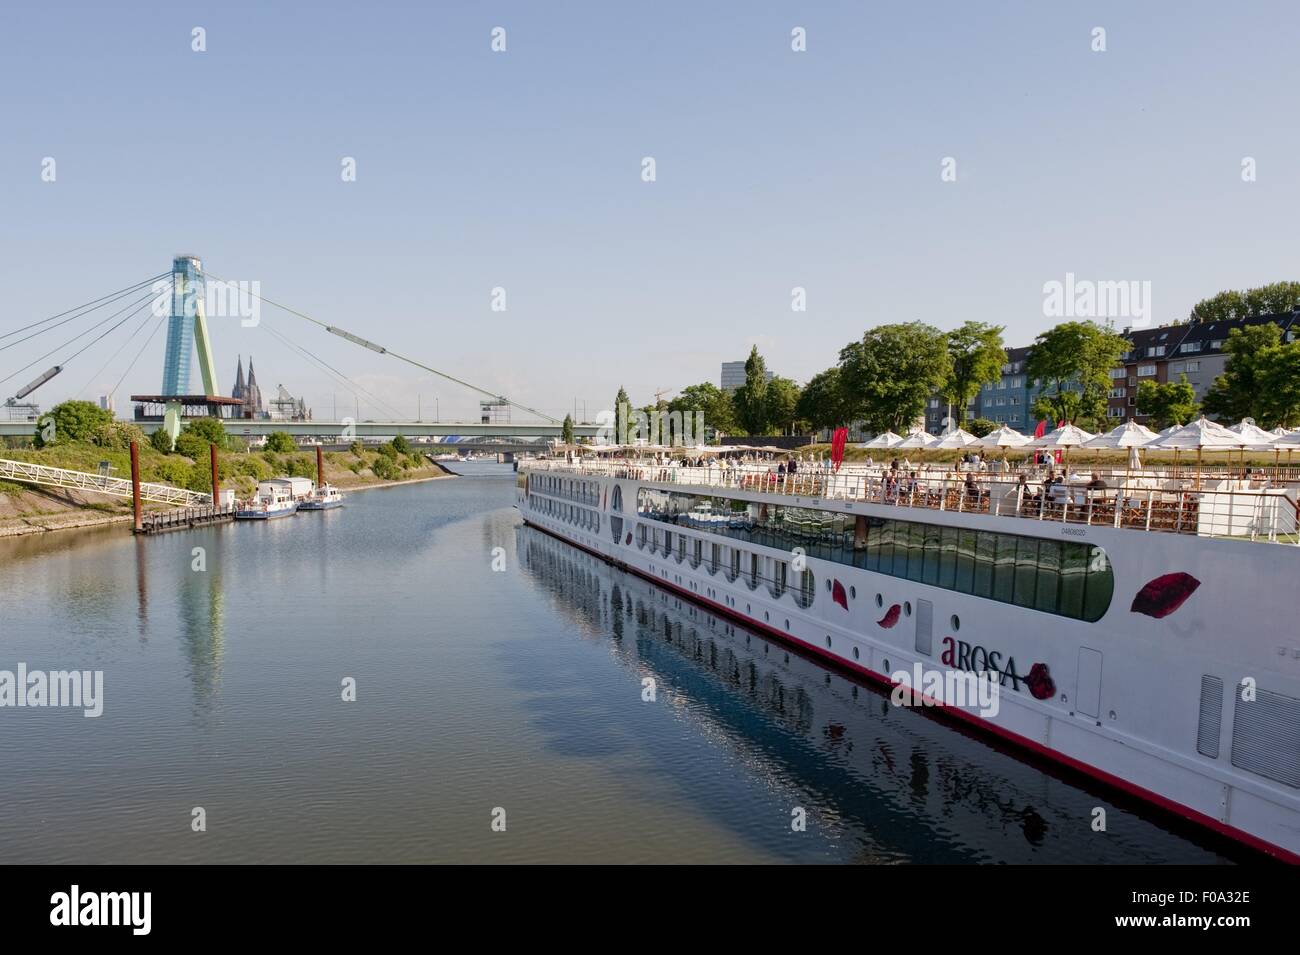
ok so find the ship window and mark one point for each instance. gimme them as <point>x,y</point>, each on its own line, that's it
<point>1067,578</point>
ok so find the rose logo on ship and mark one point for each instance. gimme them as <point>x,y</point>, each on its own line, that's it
<point>1162,596</point>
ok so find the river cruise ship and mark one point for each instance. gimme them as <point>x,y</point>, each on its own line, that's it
<point>1140,629</point>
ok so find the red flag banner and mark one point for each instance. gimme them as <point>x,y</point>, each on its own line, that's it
<point>1041,429</point>
<point>838,440</point>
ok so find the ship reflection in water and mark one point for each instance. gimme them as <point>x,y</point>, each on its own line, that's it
<point>878,783</point>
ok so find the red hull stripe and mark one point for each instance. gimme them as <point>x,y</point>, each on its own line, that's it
<point>972,719</point>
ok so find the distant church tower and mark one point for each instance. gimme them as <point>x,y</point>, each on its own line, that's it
<point>247,391</point>
<point>252,394</point>
<point>238,390</point>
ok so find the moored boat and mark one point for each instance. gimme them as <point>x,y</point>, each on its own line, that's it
<point>274,498</point>
<point>1141,633</point>
<point>322,498</point>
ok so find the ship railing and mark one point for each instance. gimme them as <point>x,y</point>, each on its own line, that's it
<point>1217,507</point>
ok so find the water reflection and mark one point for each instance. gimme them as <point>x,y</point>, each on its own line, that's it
<point>891,784</point>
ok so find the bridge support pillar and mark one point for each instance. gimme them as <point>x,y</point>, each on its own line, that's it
<point>172,421</point>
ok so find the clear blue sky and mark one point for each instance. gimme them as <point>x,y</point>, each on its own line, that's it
<point>775,169</point>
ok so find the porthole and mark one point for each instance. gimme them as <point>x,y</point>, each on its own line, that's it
<point>766,616</point>
<point>828,643</point>
<point>787,624</point>
<point>907,607</point>
<point>886,668</point>
<point>855,653</point>
<point>828,585</point>
<point>853,593</point>
<point>956,623</point>
<point>880,601</point>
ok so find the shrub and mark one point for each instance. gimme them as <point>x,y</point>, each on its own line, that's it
<point>161,441</point>
<point>385,468</point>
<point>358,449</point>
<point>401,445</point>
<point>73,421</point>
<point>209,430</point>
<point>281,442</point>
<point>981,426</point>
<point>117,435</point>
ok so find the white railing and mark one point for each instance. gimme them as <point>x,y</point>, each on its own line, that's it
<point>83,481</point>
<point>1148,500</point>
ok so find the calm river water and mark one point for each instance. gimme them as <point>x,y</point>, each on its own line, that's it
<point>475,690</point>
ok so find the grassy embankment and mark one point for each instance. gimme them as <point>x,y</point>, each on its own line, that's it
<point>25,508</point>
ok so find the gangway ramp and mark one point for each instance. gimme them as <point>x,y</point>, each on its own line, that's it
<point>46,476</point>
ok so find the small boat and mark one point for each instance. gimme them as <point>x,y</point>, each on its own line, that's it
<point>324,498</point>
<point>274,499</point>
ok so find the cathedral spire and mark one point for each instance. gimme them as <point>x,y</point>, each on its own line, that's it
<point>238,390</point>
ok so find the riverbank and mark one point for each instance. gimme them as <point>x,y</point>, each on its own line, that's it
<point>30,509</point>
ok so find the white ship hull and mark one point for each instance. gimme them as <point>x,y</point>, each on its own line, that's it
<point>1183,690</point>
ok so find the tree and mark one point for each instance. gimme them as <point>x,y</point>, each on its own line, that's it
<point>782,402</point>
<point>1280,387</point>
<point>711,402</point>
<point>281,442</point>
<point>751,398</point>
<point>977,355</point>
<point>1073,361</point>
<point>620,401</point>
<point>1238,392</point>
<point>198,435</point>
<point>1173,402</point>
<point>401,445</point>
<point>566,430</point>
<point>981,426</point>
<point>73,421</point>
<point>822,403</point>
<point>1273,299</point>
<point>891,373</point>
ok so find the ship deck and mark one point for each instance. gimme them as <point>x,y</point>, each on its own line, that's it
<point>1146,501</point>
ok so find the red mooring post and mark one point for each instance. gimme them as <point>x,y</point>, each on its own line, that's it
<point>216,488</point>
<point>320,467</point>
<point>135,486</point>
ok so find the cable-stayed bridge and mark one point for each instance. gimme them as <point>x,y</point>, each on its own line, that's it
<point>177,298</point>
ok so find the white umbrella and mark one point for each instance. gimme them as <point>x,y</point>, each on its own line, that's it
<point>885,440</point>
<point>1203,435</point>
<point>1003,437</point>
<point>956,439</point>
<point>1129,435</point>
<point>917,439</point>
<point>1067,436</point>
<point>1253,435</point>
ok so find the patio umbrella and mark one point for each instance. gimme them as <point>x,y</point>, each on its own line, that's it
<point>917,439</point>
<point>1129,435</point>
<point>1253,437</point>
<point>1067,436</point>
<point>1203,435</point>
<point>1003,438</point>
<point>956,439</point>
<point>1287,442</point>
<point>886,439</point>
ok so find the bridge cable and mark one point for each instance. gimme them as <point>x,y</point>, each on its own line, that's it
<point>139,328</point>
<point>139,303</point>
<point>88,307</point>
<point>352,386</point>
<point>364,343</point>
<point>137,355</point>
